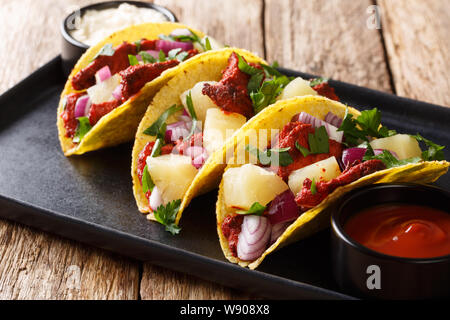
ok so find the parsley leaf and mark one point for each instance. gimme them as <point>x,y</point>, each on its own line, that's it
<point>207,44</point>
<point>166,215</point>
<point>106,50</point>
<point>157,127</point>
<point>138,45</point>
<point>390,161</point>
<point>133,60</point>
<point>366,125</point>
<point>173,53</point>
<point>305,152</point>
<point>147,182</point>
<point>313,186</point>
<point>161,56</point>
<point>147,57</point>
<point>191,110</point>
<point>281,156</point>
<point>318,142</point>
<point>434,151</point>
<point>256,209</point>
<point>83,127</point>
<point>317,81</point>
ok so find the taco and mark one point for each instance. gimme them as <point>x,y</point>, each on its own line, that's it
<point>180,144</point>
<point>319,150</point>
<point>110,87</point>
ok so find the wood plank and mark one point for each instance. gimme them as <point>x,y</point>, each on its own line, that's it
<point>418,47</point>
<point>328,38</point>
<point>158,283</point>
<point>33,264</point>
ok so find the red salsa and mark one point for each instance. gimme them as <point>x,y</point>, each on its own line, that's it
<point>402,230</point>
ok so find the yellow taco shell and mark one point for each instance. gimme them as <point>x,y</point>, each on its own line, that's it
<point>317,218</point>
<point>119,125</point>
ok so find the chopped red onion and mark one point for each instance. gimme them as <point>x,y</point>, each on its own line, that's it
<point>81,106</point>
<point>176,130</point>
<point>102,74</point>
<point>283,208</point>
<point>155,199</point>
<point>198,155</point>
<point>117,92</point>
<point>351,155</point>
<point>333,119</point>
<point>166,45</point>
<point>316,123</point>
<point>254,237</point>
<point>277,230</point>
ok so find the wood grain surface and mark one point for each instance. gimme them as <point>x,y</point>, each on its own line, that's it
<point>409,55</point>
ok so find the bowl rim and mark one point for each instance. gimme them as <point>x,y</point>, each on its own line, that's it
<point>110,4</point>
<point>338,229</point>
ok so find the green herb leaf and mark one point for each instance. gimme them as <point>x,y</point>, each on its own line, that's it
<point>313,186</point>
<point>166,215</point>
<point>317,81</point>
<point>207,44</point>
<point>133,60</point>
<point>138,45</point>
<point>434,152</point>
<point>191,110</point>
<point>390,161</point>
<point>161,56</point>
<point>147,57</point>
<point>83,127</point>
<point>156,128</point>
<point>106,50</point>
<point>266,157</point>
<point>318,142</point>
<point>182,56</point>
<point>305,152</point>
<point>256,209</point>
<point>147,182</point>
<point>173,53</point>
<point>271,71</point>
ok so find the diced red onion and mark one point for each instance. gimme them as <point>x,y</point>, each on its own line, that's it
<point>333,119</point>
<point>200,160</point>
<point>155,199</point>
<point>198,155</point>
<point>117,92</point>
<point>283,208</point>
<point>181,32</point>
<point>254,237</point>
<point>102,74</point>
<point>176,130</point>
<point>166,45</point>
<point>277,230</point>
<point>81,106</point>
<point>316,123</point>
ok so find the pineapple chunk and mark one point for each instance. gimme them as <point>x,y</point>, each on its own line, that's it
<point>172,175</point>
<point>248,184</point>
<point>322,170</point>
<point>295,88</point>
<point>102,92</point>
<point>403,145</point>
<point>200,101</point>
<point>219,126</point>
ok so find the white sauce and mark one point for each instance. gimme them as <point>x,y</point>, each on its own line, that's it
<point>96,25</point>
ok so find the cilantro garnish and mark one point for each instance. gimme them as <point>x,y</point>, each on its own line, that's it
<point>389,160</point>
<point>313,186</point>
<point>207,44</point>
<point>263,93</point>
<point>138,45</point>
<point>133,60</point>
<point>318,142</point>
<point>106,50</point>
<point>166,215</point>
<point>266,157</point>
<point>256,209</point>
<point>161,56</point>
<point>187,38</point>
<point>158,127</point>
<point>317,81</point>
<point>191,110</point>
<point>366,125</point>
<point>147,57</point>
<point>147,182</point>
<point>434,151</point>
<point>83,127</point>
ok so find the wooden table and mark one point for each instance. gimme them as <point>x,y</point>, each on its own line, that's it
<point>409,56</point>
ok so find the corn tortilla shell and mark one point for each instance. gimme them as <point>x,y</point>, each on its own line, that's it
<point>318,217</point>
<point>205,67</point>
<point>119,125</point>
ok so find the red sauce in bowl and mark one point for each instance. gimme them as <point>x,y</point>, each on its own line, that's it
<point>402,230</point>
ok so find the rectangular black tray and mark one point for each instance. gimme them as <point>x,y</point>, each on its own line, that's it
<point>88,198</point>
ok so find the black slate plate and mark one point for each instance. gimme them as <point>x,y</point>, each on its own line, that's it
<point>88,198</point>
